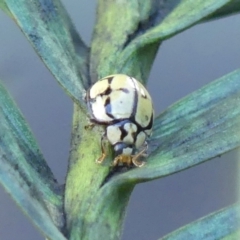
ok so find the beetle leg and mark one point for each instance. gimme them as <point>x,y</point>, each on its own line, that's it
<point>117,160</point>
<point>104,151</point>
<point>135,160</point>
<point>144,154</point>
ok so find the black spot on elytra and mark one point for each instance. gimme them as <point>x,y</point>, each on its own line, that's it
<point>110,80</point>
<point>143,95</point>
<point>108,107</point>
<point>149,126</point>
<point>135,101</point>
<point>124,133</point>
<point>107,91</point>
<point>134,135</point>
<point>107,103</point>
<point>124,90</point>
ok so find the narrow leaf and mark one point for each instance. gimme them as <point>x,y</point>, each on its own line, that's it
<point>49,29</point>
<point>233,7</point>
<point>117,24</point>
<point>199,127</point>
<point>223,224</point>
<point>175,16</point>
<point>24,172</point>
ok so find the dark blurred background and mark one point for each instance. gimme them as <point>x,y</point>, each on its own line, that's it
<point>184,63</point>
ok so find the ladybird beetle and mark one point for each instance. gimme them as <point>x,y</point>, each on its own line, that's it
<point>124,106</point>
